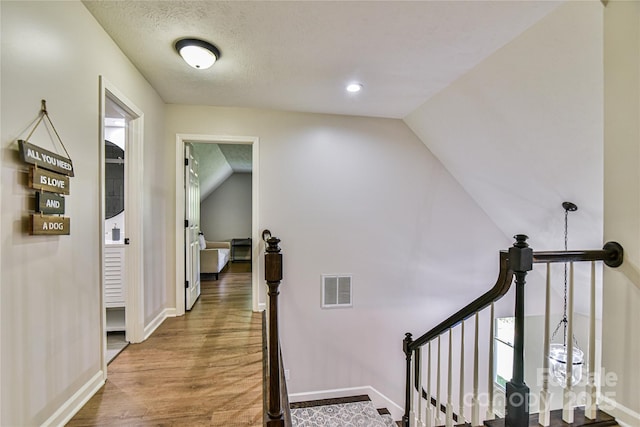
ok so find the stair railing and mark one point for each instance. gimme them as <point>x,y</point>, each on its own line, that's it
<point>425,409</point>
<point>277,411</point>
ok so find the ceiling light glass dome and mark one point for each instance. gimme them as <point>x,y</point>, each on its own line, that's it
<point>197,53</point>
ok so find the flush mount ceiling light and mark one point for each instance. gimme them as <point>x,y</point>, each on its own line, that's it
<point>354,87</point>
<point>197,53</point>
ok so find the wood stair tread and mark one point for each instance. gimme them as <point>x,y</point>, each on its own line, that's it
<point>602,420</point>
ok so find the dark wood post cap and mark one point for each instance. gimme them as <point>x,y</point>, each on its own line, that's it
<point>520,255</point>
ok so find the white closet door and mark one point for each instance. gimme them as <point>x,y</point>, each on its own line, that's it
<point>192,227</point>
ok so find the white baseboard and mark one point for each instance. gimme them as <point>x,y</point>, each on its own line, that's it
<point>153,325</point>
<point>379,400</point>
<point>262,306</point>
<point>624,416</point>
<point>75,402</point>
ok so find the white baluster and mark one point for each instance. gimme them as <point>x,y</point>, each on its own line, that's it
<point>568,398</point>
<point>438,412</point>
<point>490,410</point>
<point>475,409</point>
<point>545,408</point>
<point>428,416</point>
<point>412,405</point>
<point>420,418</point>
<point>461,396</point>
<point>590,406</point>
<point>449,419</point>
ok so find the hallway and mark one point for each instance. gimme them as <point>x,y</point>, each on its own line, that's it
<point>201,369</point>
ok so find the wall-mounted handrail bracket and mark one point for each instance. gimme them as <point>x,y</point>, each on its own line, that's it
<point>615,254</point>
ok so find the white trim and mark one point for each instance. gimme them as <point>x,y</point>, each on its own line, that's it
<point>157,321</point>
<point>71,407</point>
<point>134,269</point>
<point>181,139</point>
<point>255,226</point>
<point>624,416</point>
<point>378,399</point>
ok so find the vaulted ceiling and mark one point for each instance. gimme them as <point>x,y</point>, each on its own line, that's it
<point>507,94</point>
<point>299,56</point>
<point>218,161</point>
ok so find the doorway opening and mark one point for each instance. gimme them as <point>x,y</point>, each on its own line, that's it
<point>120,222</point>
<point>246,244</point>
<point>115,146</point>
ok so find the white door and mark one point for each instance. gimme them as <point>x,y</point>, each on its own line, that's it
<point>192,227</point>
<point>115,192</point>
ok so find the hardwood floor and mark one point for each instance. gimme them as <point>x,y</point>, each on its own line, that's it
<point>201,369</point>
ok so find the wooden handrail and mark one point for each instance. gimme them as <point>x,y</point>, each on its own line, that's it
<point>495,293</point>
<point>503,283</point>
<point>517,261</point>
<point>611,254</point>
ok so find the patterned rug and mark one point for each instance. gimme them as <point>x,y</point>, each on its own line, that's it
<point>362,414</point>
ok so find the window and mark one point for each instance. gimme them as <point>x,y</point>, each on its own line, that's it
<point>503,350</point>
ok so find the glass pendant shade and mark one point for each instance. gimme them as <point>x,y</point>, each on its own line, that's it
<point>558,364</point>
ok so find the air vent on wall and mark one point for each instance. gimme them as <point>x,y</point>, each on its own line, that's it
<point>336,291</point>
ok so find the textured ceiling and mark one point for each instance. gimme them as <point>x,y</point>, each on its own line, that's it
<point>217,162</point>
<point>298,56</point>
<point>238,156</point>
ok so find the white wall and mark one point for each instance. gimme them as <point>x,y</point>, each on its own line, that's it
<point>621,310</point>
<point>361,196</point>
<point>50,286</point>
<point>226,213</point>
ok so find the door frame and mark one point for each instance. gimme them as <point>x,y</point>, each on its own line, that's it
<point>181,139</point>
<point>134,271</point>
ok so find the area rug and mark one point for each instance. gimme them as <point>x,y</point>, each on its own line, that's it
<point>362,414</point>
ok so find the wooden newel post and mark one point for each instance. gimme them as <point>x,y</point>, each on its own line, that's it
<point>406,347</point>
<point>517,392</point>
<point>273,277</point>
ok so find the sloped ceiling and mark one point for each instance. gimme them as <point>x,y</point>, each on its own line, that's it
<point>217,162</point>
<point>507,94</point>
<point>523,131</point>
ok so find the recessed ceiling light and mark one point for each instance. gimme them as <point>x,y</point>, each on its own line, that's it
<point>197,53</point>
<point>354,87</point>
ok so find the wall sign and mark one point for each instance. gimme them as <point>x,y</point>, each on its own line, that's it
<point>38,156</point>
<point>50,225</point>
<point>49,203</point>
<point>41,179</point>
<point>49,173</point>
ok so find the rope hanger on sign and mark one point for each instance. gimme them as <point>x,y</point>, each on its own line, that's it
<point>45,114</point>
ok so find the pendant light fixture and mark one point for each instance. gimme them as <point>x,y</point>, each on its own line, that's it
<point>558,352</point>
<point>197,53</point>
